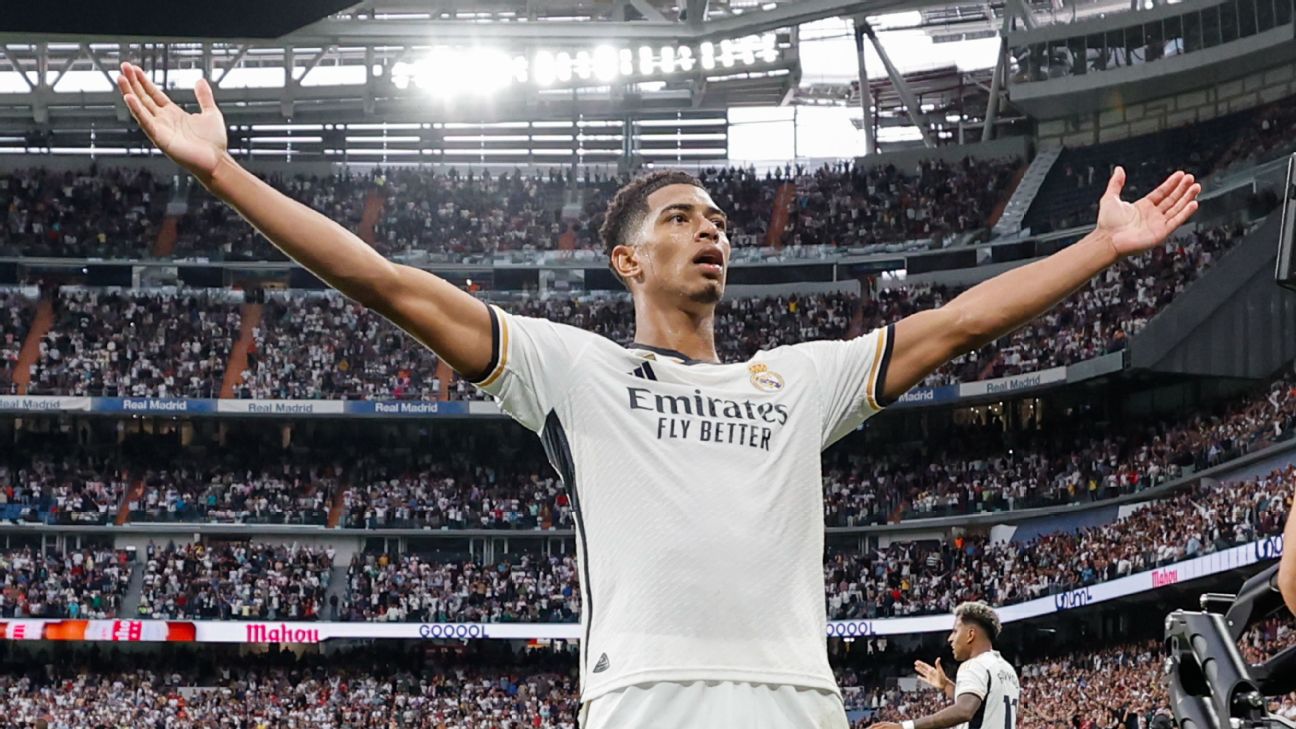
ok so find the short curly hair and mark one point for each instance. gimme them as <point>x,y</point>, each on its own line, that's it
<point>630,203</point>
<point>980,615</point>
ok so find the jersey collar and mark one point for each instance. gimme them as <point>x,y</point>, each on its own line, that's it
<point>673,354</point>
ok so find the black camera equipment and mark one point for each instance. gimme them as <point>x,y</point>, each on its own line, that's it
<point>1211,685</point>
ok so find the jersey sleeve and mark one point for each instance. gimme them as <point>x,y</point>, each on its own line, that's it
<point>973,678</point>
<point>531,365</point>
<point>850,376</point>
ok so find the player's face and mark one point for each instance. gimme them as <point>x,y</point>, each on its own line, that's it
<point>960,640</point>
<point>684,249</point>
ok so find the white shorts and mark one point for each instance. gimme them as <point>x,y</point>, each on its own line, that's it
<point>714,705</point>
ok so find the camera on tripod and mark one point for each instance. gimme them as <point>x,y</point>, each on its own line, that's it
<point>1211,686</point>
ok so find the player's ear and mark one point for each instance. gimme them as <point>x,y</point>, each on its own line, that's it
<point>625,262</point>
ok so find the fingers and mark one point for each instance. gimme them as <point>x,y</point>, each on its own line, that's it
<point>1165,188</point>
<point>1183,199</point>
<point>142,115</point>
<point>1117,182</point>
<point>132,79</point>
<point>153,92</point>
<point>1180,217</point>
<point>206,100</point>
<point>1175,195</point>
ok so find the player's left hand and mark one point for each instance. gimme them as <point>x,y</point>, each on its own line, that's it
<point>885,725</point>
<point>1136,227</point>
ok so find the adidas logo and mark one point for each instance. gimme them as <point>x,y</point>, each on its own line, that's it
<point>603,664</point>
<point>644,372</point>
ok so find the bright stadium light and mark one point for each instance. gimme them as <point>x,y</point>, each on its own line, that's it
<point>769,53</point>
<point>627,61</point>
<point>707,52</point>
<point>520,69</point>
<point>685,58</point>
<point>645,60</point>
<point>668,59</point>
<point>605,63</point>
<point>727,53</point>
<point>544,68</point>
<point>564,63</point>
<point>583,64</point>
<point>749,49</point>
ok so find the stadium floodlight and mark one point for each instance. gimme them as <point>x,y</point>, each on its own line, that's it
<point>769,53</point>
<point>605,63</point>
<point>727,53</point>
<point>520,69</point>
<point>668,59</point>
<point>707,53</point>
<point>645,60</point>
<point>627,62</point>
<point>583,65</point>
<point>544,69</point>
<point>685,59</point>
<point>564,65</point>
<point>749,49</point>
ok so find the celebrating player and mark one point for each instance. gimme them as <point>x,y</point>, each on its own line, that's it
<point>986,694</point>
<point>695,485</point>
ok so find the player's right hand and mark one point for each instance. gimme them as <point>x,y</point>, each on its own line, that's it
<point>933,676</point>
<point>195,141</point>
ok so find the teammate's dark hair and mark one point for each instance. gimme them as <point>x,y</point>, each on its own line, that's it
<point>981,615</point>
<point>630,203</point>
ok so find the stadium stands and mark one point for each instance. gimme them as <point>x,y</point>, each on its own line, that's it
<point>235,581</point>
<point>97,213</point>
<point>133,343</point>
<point>526,588</point>
<point>117,212</point>
<point>83,583</point>
<point>177,343</point>
<point>16,312</point>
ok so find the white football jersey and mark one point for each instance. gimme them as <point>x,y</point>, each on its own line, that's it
<point>696,492</point>
<point>994,681</point>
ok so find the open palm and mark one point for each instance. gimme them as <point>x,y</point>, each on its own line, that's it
<point>1137,226</point>
<point>195,141</point>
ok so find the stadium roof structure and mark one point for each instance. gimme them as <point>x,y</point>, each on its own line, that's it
<point>447,61</point>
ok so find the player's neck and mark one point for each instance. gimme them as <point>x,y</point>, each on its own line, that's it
<point>691,333</point>
<point>979,648</point>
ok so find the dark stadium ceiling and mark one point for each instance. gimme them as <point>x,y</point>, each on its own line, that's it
<point>315,22</point>
<point>165,18</point>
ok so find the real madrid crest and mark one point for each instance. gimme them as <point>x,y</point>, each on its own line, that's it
<point>763,378</point>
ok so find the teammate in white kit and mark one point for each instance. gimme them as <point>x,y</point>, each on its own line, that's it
<point>696,485</point>
<point>986,693</point>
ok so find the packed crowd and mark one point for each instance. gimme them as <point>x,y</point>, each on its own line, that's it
<point>355,689</point>
<point>59,486</point>
<point>254,581</point>
<point>136,343</point>
<point>195,489</point>
<point>452,213</point>
<point>80,583</point>
<point>913,578</point>
<point>329,347</point>
<point>846,205</point>
<point>527,588</point>
<point>476,687</point>
<point>169,343</point>
<point>211,229</point>
<point>95,213</point>
<point>1070,462</point>
<point>16,310</point>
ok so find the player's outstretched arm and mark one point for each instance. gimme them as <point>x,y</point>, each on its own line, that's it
<point>449,321</point>
<point>1287,567</point>
<point>960,712</point>
<point>993,308</point>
